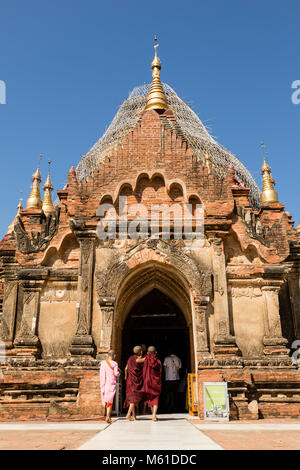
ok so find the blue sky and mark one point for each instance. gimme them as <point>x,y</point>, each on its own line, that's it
<point>69,64</point>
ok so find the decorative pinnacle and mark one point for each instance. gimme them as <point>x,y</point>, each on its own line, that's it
<point>37,174</point>
<point>12,225</point>
<point>156,98</point>
<point>48,207</point>
<point>19,206</point>
<point>268,192</point>
<point>34,201</point>
<point>48,182</point>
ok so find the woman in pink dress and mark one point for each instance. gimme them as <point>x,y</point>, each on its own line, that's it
<point>109,372</point>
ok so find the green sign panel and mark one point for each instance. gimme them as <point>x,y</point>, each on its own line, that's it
<point>216,403</point>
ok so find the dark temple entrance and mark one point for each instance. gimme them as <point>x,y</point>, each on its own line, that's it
<point>156,320</point>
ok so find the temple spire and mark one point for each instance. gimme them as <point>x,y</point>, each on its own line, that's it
<point>34,201</point>
<point>12,225</point>
<point>48,207</point>
<point>156,98</point>
<point>268,192</point>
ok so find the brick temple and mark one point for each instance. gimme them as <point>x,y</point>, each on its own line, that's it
<point>230,304</point>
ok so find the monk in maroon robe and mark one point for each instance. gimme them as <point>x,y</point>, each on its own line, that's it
<point>134,382</point>
<point>152,380</point>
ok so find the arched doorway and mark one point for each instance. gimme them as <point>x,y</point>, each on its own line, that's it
<point>153,307</point>
<point>156,320</point>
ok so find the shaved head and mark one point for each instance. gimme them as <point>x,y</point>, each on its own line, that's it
<point>112,354</point>
<point>137,350</point>
<point>151,350</point>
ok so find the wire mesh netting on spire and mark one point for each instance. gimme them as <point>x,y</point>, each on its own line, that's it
<point>188,125</point>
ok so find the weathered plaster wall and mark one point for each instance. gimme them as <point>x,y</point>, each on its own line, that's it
<point>57,318</point>
<point>247,307</point>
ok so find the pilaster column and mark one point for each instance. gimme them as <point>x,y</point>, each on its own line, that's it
<point>294,289</point>
<point>27,342</point>
<point>82,342</point>
<point>201,330</point>
<point>107,312</point>
<point>275,344</point>
<point>7,319</point>
<point>224,341</point>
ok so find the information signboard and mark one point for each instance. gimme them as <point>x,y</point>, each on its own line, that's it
<point>216,402</point>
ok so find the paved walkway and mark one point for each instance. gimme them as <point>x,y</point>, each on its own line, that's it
<point>43,440</point>
<point>30,435</point>
<point>58,426</point>
<point>254,435</point>
<point>239,426</point>
<point>171,432</point>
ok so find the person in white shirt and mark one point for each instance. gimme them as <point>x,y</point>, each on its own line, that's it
<point>172,365</point>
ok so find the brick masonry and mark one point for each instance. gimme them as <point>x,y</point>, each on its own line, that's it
<point>42,394</point>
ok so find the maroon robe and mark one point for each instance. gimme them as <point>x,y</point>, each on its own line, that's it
<point>134,383</point>
<point>152,379</point>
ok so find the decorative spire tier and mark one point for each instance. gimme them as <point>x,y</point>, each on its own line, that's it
<point>156,98</point>
<point>48,207</point>
<point>34,201</point>
<point>268,192</point>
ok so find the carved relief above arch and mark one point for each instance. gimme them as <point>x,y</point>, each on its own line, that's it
<point>198,280</point>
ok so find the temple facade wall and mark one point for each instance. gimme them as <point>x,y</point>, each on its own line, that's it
<point>65,294</point>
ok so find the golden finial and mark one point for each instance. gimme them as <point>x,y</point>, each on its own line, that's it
<point>268,192</point>
<point>156,98</point>
<point>34,201</point>
<point>12,225</point>
<point>19,206</point>
<point>48,207</point>
<point>208,162</point>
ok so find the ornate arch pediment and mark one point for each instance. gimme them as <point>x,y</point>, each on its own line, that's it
<point>169,253</point>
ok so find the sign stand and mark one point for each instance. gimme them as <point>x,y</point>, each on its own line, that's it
<point>216,401</point>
